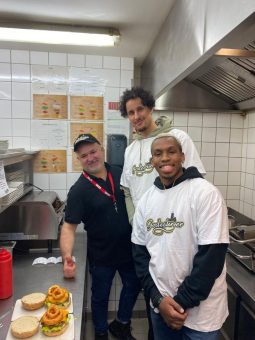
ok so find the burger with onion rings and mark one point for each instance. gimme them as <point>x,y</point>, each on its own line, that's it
<point>55,321</point>
<point>58,296</point>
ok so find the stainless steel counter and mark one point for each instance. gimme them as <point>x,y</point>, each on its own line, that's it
<point>39,278</point>
<point>242,280</point>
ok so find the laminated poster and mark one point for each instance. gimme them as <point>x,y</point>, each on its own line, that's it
<point>96,129</point>
<point>87,107</point>
<point>50,106</point>
<point>50,161</point>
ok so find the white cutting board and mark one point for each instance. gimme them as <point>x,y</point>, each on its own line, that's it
<point>20,311</point>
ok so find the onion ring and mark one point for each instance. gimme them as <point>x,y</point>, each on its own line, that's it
<point>53,316</point>
<point>58,293</point>
<point>52,289</point>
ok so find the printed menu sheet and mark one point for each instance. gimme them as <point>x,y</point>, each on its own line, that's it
<point>4,189</point>
<point>50,106</point>
<point>48,134</point>
<point>87,107</point>
<point>96,129</point>
<point>50,161</point>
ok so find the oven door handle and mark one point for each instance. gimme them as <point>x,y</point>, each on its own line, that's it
<point>241,241</point>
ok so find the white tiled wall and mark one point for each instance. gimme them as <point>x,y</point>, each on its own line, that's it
<point>16,103</point>
<point>247,192</point>
<point>16,91</point>
<point>219,140</point>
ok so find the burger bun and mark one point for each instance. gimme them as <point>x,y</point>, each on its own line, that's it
<point>24,327</point>
<point>33,301</point>
<point>57,332</point>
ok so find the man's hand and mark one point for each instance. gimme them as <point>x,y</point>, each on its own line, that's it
<point>69,268</point>
<point>172,313</point>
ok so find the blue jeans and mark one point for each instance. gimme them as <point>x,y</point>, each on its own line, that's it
<point>163,332</point>
<point>102,277</point>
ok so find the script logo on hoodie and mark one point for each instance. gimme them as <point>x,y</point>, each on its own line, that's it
<point>140,170</point>
<point>160,227</point>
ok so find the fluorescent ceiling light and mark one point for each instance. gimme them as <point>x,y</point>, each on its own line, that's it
<point>60,35</point>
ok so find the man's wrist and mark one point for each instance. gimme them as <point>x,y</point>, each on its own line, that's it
<point>158,302</point>
<point>64,257</point>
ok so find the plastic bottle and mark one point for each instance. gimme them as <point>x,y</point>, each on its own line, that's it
<point>6,286</point>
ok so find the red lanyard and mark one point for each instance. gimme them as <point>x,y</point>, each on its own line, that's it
<point>112,196</point>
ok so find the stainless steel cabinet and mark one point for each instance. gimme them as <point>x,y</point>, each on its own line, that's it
<point>229,329</point>
<point>246,324</point>
<point>240,324</point>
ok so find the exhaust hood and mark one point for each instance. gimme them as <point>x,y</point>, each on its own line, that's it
<point>203,58</point>
<point>225,82</point>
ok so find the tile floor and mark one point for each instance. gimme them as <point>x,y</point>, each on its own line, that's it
<point>139,326</point>
<point>139,329</point>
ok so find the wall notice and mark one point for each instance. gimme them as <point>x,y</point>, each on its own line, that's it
<point>50,161</point>
<point>50,106</point>
<point>86,107</point>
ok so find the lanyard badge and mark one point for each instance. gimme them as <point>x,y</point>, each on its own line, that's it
<point>102,190</point>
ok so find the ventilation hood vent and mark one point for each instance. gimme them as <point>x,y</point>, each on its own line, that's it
<point>225,82</point>
<point>233,80</point>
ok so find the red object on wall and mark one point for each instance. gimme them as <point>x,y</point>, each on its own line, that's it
<point>113,105</point>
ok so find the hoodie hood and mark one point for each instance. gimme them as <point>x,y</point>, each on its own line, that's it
<point>188,173</point>
<point>164,124</point>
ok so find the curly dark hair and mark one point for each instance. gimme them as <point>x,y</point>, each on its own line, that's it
<point>136,92</point>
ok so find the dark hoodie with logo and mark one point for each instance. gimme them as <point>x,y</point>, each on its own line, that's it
<point>197,285</point>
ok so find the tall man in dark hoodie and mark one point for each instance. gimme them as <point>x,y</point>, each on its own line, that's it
<point>138,173</point>
<point>179,249</point>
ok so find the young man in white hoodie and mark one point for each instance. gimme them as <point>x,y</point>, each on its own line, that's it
<point>180,239</point>
<point>138,173</point>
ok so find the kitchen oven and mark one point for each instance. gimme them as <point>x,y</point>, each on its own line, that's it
<point>35,217</point>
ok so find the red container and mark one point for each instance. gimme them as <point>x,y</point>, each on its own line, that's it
<point>5,274</point>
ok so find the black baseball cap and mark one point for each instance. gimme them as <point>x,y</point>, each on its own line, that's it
<point>84,138</point>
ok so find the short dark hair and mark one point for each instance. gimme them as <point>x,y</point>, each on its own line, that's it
<point>167,135</point>
<point>136,92</point>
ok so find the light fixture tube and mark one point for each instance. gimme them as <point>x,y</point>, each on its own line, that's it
<point>105,37</point>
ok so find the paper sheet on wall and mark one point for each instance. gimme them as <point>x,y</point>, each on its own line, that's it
<point>50,161</point>
<point>49,74</point>
<point>86,107</point>
<point>120,127</point>
<point>4,189</point>
<point>48,134</point>
<point>50,106</point>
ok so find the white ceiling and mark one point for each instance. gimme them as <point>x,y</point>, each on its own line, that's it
<point>139,21</point>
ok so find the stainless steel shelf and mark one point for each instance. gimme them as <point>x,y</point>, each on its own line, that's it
<point>27,189</point>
